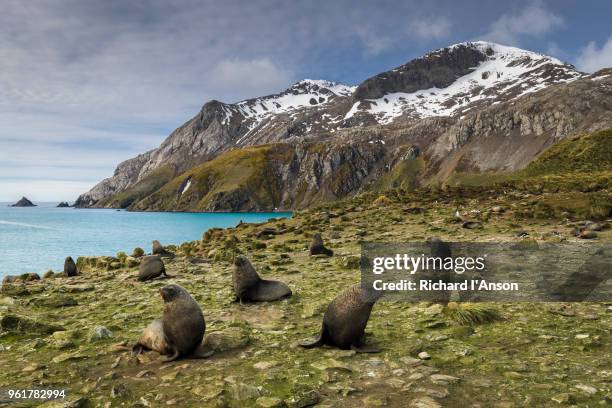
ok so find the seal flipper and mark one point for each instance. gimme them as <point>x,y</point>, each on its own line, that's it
<point>137,350</point>
<point>364,349</point>
<point>269,290</point>
<point>360,346</point>
<point>316,341</point>
<point>174,356</point>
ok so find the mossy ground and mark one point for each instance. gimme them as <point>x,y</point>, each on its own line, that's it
<point>535,355</point>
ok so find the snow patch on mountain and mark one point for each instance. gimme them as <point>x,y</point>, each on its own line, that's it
<point>308,93</point>
<point>506,73</point>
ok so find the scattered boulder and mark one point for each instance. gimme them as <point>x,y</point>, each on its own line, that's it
<point>472,224</point>
<point>100,333</point>
<point>21,324</point>
<point>498,209</point>
<point>229,339</point>
<point>63,204</point>
<point>318,248</point>
<point>29,277</point>
<point>266,232</point>
<point>48,274</point>
<point>131,262</point>
<point>70,268</point>
<point>151,267</point>
<point>24,202</point>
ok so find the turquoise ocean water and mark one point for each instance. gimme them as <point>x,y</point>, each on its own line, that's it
<point>37,239</point>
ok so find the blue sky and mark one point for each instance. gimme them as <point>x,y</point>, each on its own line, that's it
<point>87,84</point>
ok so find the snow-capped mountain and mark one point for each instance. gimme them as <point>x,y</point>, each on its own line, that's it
<point>430,101</point>
<point>493,73</point>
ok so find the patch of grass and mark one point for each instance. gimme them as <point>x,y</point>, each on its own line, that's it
<point>471,314</point>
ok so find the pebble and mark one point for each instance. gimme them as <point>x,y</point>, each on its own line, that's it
<point>443,379</point>
<point>424,402</point>
<point>270,402</point>
<point>423,355</point>
<point>563,398</point>
<point>586,388</point>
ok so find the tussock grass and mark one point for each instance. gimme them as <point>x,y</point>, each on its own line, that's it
<point>471,314</point>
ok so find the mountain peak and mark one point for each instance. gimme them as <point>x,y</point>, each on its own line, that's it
<point>452,80</point>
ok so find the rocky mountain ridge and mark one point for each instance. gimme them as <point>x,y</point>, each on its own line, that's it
<point>468,107</point>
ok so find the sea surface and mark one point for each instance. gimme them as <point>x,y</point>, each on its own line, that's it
<point>36,239</point>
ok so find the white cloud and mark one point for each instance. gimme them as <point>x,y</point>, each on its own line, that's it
<point>372,42</point>
<point>254,77</point>
<point>533,20</point>
<point>592,58</point>
<point>431,28</point>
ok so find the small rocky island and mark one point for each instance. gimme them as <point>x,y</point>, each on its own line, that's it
<point>24,202</point>
<point>63,204</point>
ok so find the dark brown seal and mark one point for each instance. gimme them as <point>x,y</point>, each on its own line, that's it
<point>345,320</point>
<point>158,249</point>
<point>439,249</point>
<point>70,268</point>
<point>318,248</point>
<point>248,286</point>
<point>151,267</point>
<point>181,330</point>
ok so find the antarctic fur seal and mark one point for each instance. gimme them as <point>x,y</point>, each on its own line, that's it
<point>70,268</point>
<point>180,331</point>
<point>151,267</point>
<point>439,249</point>
<point>158,249</point>
<point>345,320</point>
<point>318,248</point>
<point>248,286</point>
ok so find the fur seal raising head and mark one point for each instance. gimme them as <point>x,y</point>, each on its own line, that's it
<point>248,286</point>
<point>70,268</point>
<point>181,330</point>
<point>345,320</point>
<point>158,249</point>
<point>151,267</point>
<point>182,322</point>
<point>318,248</point>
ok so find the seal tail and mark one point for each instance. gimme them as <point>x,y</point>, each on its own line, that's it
<point>316,341</point>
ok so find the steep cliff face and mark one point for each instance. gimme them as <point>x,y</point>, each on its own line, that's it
<point>469,107</point>
<point>277,176</point>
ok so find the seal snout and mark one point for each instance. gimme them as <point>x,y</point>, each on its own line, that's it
<point>169,292</point>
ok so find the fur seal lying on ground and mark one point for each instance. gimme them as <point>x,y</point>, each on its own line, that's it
<point>158,249</point>
<point>318,248</point>
<point>180,331</point>
<point>151,267</point>
<point>345,320</point>
<point>70,268</point>
<point>248,286</point>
